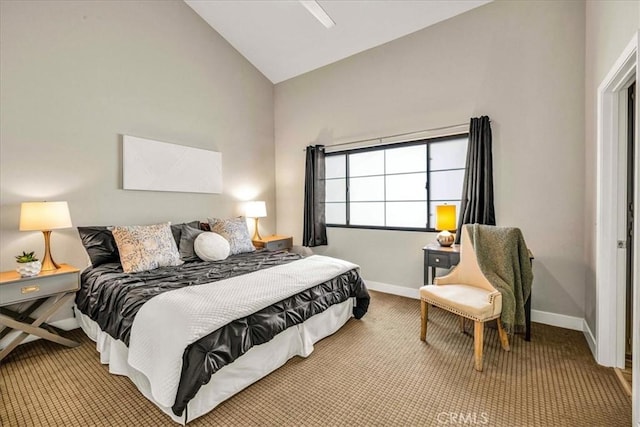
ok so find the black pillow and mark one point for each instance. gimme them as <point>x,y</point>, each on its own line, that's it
<point>188,237</point>
<point>99,244</point>
<point>176,230</point>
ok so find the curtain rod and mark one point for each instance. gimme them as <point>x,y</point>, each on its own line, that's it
<point>380,138</point>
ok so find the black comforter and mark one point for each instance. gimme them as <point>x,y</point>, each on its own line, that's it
<point>112,299</point>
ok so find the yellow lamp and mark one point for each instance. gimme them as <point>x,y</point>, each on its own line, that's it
<point>45,216</point>
<point>257,209</point>
<point>445,221</point>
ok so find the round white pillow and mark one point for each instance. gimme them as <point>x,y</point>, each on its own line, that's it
<point>211,246</point>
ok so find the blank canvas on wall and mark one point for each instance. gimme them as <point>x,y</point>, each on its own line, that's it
<point>160,166</point>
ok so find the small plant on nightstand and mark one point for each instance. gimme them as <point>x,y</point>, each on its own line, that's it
<point>28,264</point>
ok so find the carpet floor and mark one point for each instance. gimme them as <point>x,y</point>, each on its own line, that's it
<point>372,372</point>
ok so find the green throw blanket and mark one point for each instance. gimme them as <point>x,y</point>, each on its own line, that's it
<point>503,258</point>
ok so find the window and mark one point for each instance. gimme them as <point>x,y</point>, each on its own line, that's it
<point>394,186</point>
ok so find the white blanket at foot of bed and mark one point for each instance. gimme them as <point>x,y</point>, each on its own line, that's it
<point>166,324</point>
<point>258,362</point>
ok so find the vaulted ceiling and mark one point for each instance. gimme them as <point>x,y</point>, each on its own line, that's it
<point>283,39</point>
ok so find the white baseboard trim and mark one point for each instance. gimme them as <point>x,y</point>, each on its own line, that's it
<point>559,320</point>
<point>553,319</point>
<point>393,289</point>
<point>64,324</point>
<point>591,340</point>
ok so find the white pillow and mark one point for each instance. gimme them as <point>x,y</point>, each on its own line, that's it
<point>211,246</point>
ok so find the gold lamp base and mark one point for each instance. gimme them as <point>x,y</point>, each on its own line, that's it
<point>48,263</point>
<point>445,238</point>
<point>256,234</point>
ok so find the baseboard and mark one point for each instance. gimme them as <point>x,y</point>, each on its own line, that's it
<point>393,289</point>
<point>544,317</point>
<point>64,324</point>
<point>591,340</point>
<point>559,320</point>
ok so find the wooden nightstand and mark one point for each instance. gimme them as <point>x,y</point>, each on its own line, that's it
<point>274,243</point>
<point>57,287</point>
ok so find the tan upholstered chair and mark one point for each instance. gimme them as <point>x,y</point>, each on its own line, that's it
<point>466,292</point>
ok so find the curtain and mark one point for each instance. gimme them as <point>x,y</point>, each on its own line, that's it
<point>315,227</point>
<point>476,206</point>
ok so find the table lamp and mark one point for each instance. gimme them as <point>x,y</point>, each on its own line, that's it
<point>256,209</point>
<point>445,221</point>
<point>45,216</point>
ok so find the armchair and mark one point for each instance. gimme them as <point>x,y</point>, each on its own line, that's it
<point>466,292</point>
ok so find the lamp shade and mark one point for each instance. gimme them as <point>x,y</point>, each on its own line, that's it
<point>43,216</point>
<point>445,217</point>
<point>257,209</point>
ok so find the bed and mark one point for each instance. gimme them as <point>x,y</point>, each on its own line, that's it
<point>193,335</point>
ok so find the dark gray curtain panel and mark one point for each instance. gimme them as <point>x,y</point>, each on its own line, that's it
<point>476,206</point>
<point>315,226</point>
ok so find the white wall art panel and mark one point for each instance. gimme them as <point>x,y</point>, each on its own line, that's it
<point>160,166</point>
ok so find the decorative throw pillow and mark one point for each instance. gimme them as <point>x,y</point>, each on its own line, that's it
<point>176,229</point>
<point>187,238</point>
<point>235,230</point>
<point>211,246</point>
<point>99,244</point>
<point>145,247</point>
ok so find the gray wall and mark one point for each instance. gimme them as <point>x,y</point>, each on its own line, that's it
<point>610,25</point>
<point>76,75</point>
<point>521,63</point>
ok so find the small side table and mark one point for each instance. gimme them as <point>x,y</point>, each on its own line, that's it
<point>436,256</point>
<point>55,287</point>
<point>274,243</point>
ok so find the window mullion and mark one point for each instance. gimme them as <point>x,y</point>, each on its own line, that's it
<point>347,196</point>
<point>426,185</point>
<point>384,183</point>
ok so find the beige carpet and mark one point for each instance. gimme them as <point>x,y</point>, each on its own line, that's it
<point>373,372</point>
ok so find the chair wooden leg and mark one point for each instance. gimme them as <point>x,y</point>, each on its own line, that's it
<point>504,338</point>
<point>462,319</point>
<point>424,307</point>
<point>478,332</point>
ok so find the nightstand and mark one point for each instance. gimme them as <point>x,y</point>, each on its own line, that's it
<point>274,243</point>
<point>436,256</point>
<point>54,287</point>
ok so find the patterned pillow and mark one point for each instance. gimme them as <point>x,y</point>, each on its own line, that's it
<point>235,230</point>
<point>145,247</point>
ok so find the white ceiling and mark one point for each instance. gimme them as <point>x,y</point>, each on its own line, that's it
<point>283,40</point>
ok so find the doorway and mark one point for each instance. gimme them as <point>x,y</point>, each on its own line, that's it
<point>612,222</point>
<point>625,373</point>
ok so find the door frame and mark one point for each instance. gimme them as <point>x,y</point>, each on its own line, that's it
<point>611,208</point>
